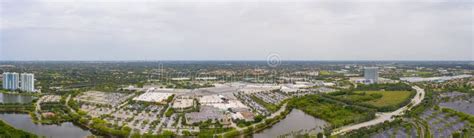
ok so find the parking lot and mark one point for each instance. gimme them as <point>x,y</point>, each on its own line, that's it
<point>103,98</point>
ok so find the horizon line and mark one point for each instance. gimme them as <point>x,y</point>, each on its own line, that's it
<point>232,60</point>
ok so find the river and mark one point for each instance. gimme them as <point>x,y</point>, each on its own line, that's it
<point>297,122</point>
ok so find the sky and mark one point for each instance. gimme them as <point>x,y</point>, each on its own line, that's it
<point>236,30</point>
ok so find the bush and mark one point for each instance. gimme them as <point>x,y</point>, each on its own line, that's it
<point>169,112</point>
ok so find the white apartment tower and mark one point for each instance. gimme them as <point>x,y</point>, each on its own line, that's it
<point>11,81</point>
<point>371,74</point>
<point>27,82</point>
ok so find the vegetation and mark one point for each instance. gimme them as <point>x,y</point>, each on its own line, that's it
<point>461,115</point>
<point>382,97</point>
<point>386,87</point>
<point>426,103</point>
<point>383,101</point>
<point>17,107</point>
<point>368,131</point>
<point>388,98</point>
<point>107,128</point>
<point>170,112</point>
<point>338,114</point>
<point>7,131</point>
<point>243,123</point>
<point>340,108</point>
<point>269,106</point>
<point>60,111</point>
<point>211,132</point>
<point>259,126</point>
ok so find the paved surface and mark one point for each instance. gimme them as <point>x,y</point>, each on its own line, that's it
<point>38,108</point>
<point>163,117</point>
<point>382,117</point>
<point>67,104</point>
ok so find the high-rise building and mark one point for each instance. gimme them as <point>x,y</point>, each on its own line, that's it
<point>371,74</point>
<point>11,81</point>
<point>27,82</point>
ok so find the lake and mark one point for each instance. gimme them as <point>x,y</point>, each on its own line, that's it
<point>295,122</point>
<point>24,122</point>
<point>15,98</point>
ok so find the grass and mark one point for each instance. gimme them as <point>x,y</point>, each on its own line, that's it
<point>389,98</point>
<point>383,101</point>
<point>325,73</point>
<point>336,114</point>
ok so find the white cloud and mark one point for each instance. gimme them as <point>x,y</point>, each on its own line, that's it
<point>243,30</point>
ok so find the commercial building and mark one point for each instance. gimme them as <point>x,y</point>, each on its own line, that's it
<point>434,79</point>
<point>371,74</point>
<point>11,81</point>
<point>181,104</point>
<point>153,97</point>
<point>27,82</point>
<point>211,99</point>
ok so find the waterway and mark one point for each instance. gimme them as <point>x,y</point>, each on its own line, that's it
<point>297,122</point>
<point>15,98</point>
<point>24,122</point>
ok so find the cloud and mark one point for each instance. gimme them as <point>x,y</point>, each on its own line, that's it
<point>236,30</point>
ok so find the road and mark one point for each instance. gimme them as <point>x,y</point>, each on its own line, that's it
<point>67,104</point>
<point>382,117</point>
<point>38,108</point>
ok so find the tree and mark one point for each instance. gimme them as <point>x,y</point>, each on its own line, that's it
<point>320,135</point>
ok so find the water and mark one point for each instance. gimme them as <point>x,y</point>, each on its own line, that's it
<point>24,122</point>
<point>15,98</point>
<point>296,121</point>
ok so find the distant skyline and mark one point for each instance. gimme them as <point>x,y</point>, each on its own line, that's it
<point>237,30</point>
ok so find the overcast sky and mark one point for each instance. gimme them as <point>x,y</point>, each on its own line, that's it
<point>237,30</point>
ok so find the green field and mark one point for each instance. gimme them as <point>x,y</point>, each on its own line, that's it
<point>388,98</point>
<point>336,114</point>
<point>383,101</point>
<point>325,73</point>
